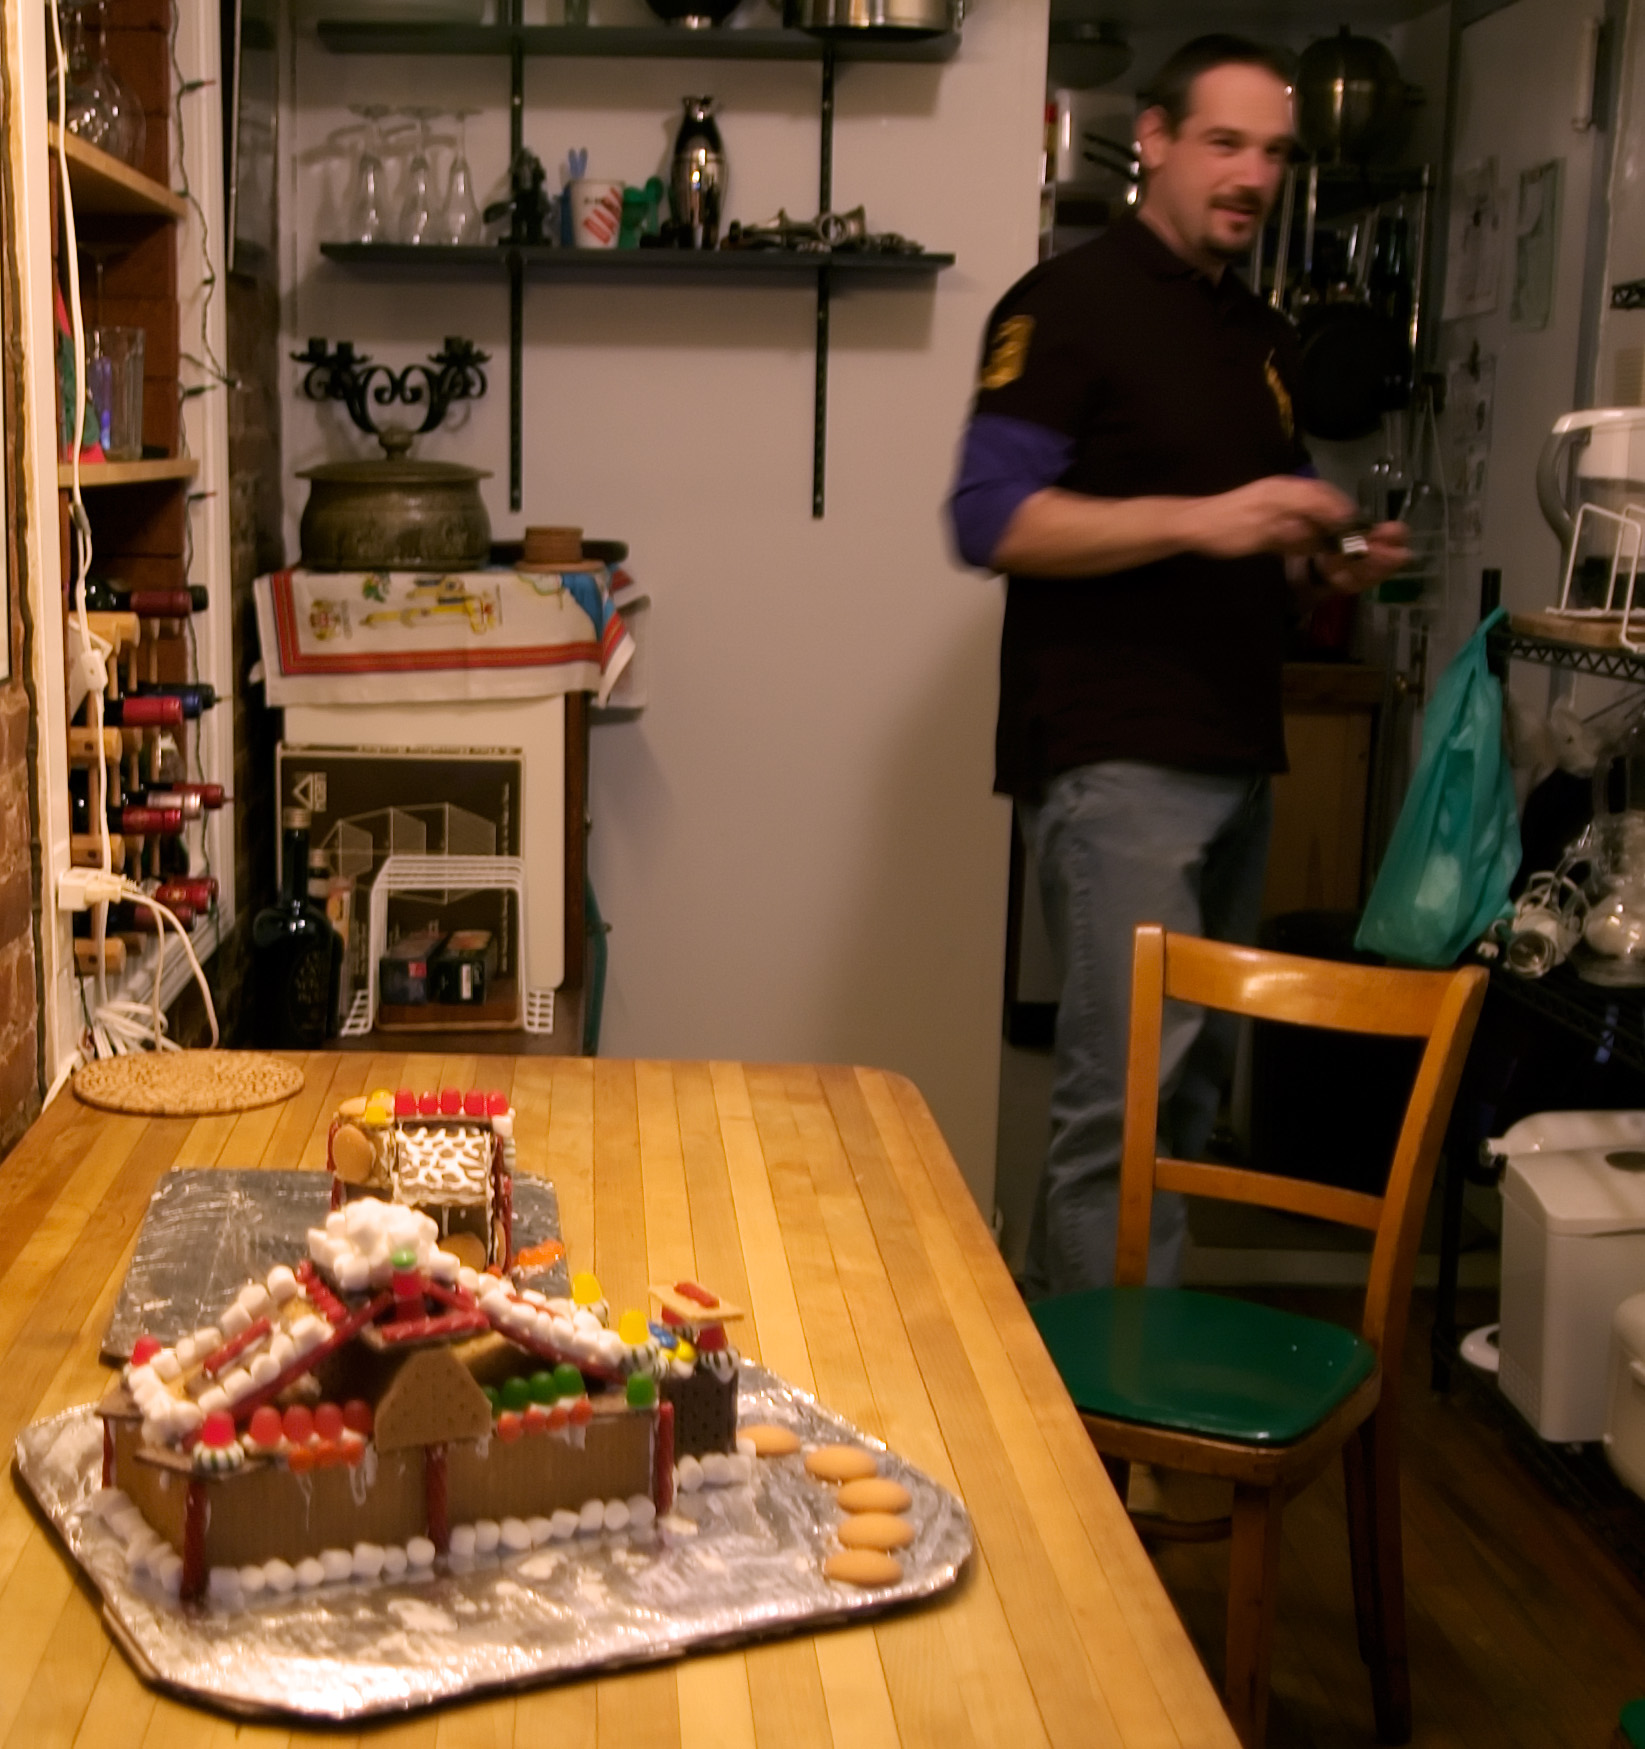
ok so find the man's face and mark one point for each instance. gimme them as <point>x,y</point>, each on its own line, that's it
<point>1212,182</point>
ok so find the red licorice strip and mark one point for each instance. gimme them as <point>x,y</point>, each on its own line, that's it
<point>194,1540</point>
<point>449,1324</point>
<point>233,1349</point>
<point>434,1497</point>
<point>689,1290</point>
<point>662,1460</point>
<point>458,1298</point>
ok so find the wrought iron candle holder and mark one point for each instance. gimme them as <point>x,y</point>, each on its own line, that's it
<point>453,374</point>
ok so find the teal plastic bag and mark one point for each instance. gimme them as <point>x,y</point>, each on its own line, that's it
<point>1455,847</point>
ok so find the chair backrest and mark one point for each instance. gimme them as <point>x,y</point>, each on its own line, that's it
<point>1438,1007</point>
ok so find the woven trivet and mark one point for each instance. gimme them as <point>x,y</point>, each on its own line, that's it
<point>186,1083</point>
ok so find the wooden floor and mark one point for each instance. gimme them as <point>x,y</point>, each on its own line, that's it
<point>1525,1633</point>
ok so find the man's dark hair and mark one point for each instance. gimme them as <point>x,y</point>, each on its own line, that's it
<point>1172,87</point>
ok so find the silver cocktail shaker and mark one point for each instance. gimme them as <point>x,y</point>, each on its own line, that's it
<point>696,187</point>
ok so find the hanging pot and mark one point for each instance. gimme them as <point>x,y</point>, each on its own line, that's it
<point>1352,359</point>
<point>885,18</point>
<point>1351,101</point>
<point>395,515</point>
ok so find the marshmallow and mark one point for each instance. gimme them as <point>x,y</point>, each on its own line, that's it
<point>223,1585</point>
<point>540,1529</point>
<point>279,1576</point>
<point>167,1367</point>
<point>487,1534</point>
<point>282,1284</point>
<point>215,1398</point>
<point>265,1369</point>
<point>255,1300</point>
<point>253,1581</point>
<point>592,1517</point>
<point>717,1470</point>
<point>565,1523</point>
<point>642,1511</point>
<point>462,1540</point>
<point>689,1474</point>
<point>395,1561</point>
<point>236,1322</point>
<point>237,1384</point>
<point>310,1573</point>
<point>616,1515</point>
<point>515,1535</point>
<point>420,1552</point>
<point>337,1564</point>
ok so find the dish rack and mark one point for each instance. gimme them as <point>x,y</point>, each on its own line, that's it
<point>433,874</point>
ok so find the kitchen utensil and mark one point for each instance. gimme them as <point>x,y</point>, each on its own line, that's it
<point>1351,101</point>
<point>894,18</point>
<point>696,187</point>
<point>395,515</point>
<point>460,220</point>
<point>417,205</point>
<point>114,376</point>
<point>366,223</point>
<point>1350,354</point>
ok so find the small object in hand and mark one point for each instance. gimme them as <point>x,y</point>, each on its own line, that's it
<point>1352,542</point>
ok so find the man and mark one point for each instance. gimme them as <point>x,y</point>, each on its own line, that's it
<point>1133,464</point>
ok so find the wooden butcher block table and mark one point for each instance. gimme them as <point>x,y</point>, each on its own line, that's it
<point>825,1201</point>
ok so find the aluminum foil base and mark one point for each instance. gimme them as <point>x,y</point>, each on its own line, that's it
<point>207,1233</point>
<point>727,1565</point>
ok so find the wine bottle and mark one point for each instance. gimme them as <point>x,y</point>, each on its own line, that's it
<point>127,917</point>
<point>163,796</point>
<point>196,891</point>
<point>297,954</point>
<point>154,711</point>
<point>195,696</point>
<point>178,602</point>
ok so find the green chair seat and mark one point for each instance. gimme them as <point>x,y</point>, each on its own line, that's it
<point>1633,1724</point>
<point>1200,1363</point>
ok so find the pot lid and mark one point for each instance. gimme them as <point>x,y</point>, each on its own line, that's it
<point>1558,1132</point>
<point>1589,1191</point>
<point>394,473</point>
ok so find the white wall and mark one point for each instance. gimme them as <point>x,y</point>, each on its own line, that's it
<point>796,843</point>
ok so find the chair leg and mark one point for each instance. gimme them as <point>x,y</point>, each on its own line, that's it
<point>1361,1558</point>
<point>1253,1594</point>
<point>1119,1473</point>
<point>1377,1457</point>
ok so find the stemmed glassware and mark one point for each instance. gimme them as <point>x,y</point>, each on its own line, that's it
<point>460,220</point>
<point>417,208</point>
<point>101,109</point>
<point>365,220</point>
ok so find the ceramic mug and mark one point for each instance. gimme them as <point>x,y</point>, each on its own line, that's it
<point>596,213</point>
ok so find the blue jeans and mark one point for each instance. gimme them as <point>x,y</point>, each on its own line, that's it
<point>1117,844</point>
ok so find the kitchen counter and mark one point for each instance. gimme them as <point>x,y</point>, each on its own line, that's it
<point>825,1200</point>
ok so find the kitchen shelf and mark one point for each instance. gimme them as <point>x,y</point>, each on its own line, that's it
<point>514,40</point>
<point>658,42</point>
<point>94,475</point>
<point>659,266</point>
<point>102,184</point>
<point>1607,661</point>
<point>1608,1018</point>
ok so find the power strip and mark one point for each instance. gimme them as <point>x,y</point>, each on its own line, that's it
<point>78,889</point>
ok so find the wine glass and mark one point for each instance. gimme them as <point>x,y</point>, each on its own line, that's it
<point>365,221</point>
<point>87,114</point>
<point>460,220</point>
<point>417,208</point>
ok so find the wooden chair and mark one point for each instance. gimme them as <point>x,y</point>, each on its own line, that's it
<point>1227,1388</point>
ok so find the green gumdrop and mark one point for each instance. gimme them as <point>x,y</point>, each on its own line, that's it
<point>542,1387</point>
<point>404,1258</point>
<point>492,1397</point>
<point>568,1382</point>
<point>642,1390</point>
<point>516,1393</point>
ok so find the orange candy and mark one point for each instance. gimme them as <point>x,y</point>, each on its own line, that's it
<point>582,1412</point>
<point>300,1459</point>
<point>509,1426</point>
<point>535,1418</point>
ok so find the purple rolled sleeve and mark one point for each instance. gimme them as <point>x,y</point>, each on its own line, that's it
<point>1003,462</point>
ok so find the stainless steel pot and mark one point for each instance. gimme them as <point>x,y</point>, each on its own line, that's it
<point>906,18</point>
<point>1351,100</point>
<point>395,515</point>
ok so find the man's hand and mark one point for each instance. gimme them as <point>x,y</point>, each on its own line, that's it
<point>1386,552</point>
<point>1284,513</point>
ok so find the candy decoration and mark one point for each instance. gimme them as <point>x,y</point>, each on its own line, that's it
<point>451,1102</point>
<point>428,1104</point>
<point>474,1103</point>
<point>299,1424</point>
<point>662,1460</point>
<point>144,1349</point>
<point>219,1362</point>
<point>434,1497</point>
<point>535,1419</point>
<point>266,1427</point>
<point>357,1417</point>
<point>568,1382</point>
<point>585,1289</point>
<point>691,1291</point>
<point>642,1391</point>
<point>405,1102</point>
<point>300,1459</point>
<point>509,1426</point>
<point>633,1329</point>
<point>541,1387</point>
<point>328,1421</point>
<point>516,1393</point>
<point>581,1412</point>
<point>496,1104</point>
<point>217,1430</point>
<point>195,1510</point>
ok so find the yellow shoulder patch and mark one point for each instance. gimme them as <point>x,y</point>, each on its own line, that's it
<point>1008,354</point>
<point>1282,398</point>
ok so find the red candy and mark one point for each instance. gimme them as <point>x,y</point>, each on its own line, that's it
<point>474,1104</point>
<point>265,1426</point>
<point>690,1290</point>
<point>299,1424</point>
<point>328,1421</point>
<point>217,1430</point>
<point>144,1349</point>
<point>451,1101</point>
<point>509,1426</point>
<point>559,1416</point>
<point>496,1104</point>
<point>581,1412</point>
<point>428,1104</point>
<point>535,1418</point>
<point>353,1452</point>
<point>357,1416</point>
<point>405,1102</point>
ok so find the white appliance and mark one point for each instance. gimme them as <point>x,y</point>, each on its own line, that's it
<point>1625,1417</point>
<point>536,726</point>
<point>1573,1248</point>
